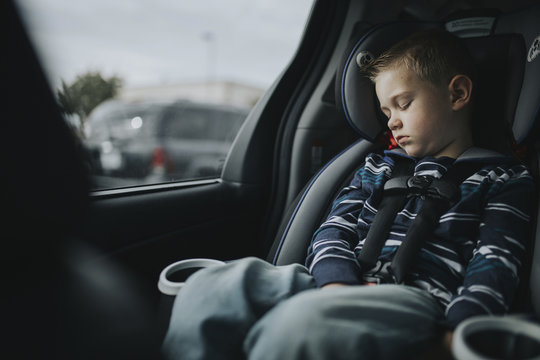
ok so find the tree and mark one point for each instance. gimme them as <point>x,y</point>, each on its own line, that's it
<point>86,92</point>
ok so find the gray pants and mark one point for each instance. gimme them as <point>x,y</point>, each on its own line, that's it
<point>246,309</point>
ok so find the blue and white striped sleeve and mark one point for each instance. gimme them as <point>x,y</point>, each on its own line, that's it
<point>492,275</point>
<point>330,256</point>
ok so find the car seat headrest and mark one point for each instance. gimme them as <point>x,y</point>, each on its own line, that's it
<point>527,109</point>
<point>496,89</point>
<point>507,93</point>
<point>356,93</point>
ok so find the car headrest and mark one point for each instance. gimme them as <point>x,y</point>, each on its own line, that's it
<point>526,23</point>
<point>506,49</point>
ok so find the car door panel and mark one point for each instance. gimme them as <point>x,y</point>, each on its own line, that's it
<point>149,230</point>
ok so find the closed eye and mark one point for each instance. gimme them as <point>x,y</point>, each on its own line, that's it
<point>405,106</point>
<point>385,110</point>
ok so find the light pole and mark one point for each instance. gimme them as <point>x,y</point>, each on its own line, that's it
<point>211,56</point>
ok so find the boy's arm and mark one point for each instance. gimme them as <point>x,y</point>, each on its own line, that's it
<point>491,276</point>
<point>330,256</point>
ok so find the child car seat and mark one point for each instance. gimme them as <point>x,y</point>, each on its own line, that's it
<point>506,49</point>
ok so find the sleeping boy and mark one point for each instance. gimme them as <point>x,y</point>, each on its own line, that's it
<point>329,309</point>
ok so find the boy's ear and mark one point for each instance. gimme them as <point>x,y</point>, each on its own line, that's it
<point>460,88</point>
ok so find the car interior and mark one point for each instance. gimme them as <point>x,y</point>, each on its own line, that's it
<point>81,266</point>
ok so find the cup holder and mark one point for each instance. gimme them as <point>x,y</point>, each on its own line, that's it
<point>497,337</point>
<point>173,277</point>
<point>171,280</point>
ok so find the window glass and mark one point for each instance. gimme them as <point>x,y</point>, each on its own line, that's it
<point>157,89</point>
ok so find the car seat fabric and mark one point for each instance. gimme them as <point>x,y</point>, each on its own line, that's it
<point>496,89</point>
<point>309,209</point>
<point>534,279</point>
<point>506,53</point>
<point>526,23</point>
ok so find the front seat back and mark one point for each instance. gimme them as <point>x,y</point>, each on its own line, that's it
<point>506,49</point>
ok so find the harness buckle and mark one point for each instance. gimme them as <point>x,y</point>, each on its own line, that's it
<point>372,280</point>
<point>419,185</point>
<point>419,182</point>
<point>428,186</point>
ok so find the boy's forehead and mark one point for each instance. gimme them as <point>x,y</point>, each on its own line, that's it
<point>393,81</point>
<point>397,72</point>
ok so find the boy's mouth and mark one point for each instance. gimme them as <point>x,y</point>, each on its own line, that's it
<point>401,138</point>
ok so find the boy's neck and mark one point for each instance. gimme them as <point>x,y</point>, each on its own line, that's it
<point>463,141</point>
<point>458,148</point>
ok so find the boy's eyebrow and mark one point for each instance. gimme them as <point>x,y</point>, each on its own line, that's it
<point>400,95</point>
<point>396,97</point>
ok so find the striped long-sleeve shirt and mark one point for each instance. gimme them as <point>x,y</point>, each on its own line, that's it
<point>471,262</point>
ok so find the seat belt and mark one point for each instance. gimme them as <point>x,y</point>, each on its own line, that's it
<point>439,195</point>
<point>394,199</point>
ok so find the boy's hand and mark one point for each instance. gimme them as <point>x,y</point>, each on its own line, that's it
<point>441,350</point>
<point>447,340</point>
<point>333,285</point>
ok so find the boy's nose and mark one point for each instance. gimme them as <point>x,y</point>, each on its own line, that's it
<point>394,123</point>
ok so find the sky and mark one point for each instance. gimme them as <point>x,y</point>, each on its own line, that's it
<point>163,42</point>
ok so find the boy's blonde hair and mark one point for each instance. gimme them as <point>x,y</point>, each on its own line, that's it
<point>433,55</point>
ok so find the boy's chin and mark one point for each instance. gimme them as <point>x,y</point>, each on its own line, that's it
<point>412,152</point>
<point>417,154</point>
<point>415,151</point>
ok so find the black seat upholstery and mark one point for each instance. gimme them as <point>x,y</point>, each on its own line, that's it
<point>506,112</point>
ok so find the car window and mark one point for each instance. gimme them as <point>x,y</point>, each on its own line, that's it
<point>157,90</point>
<point>202,123</point>
<point>119,122</point>
<point>189,124</point>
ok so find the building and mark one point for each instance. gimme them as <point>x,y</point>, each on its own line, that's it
<point>219,92</point>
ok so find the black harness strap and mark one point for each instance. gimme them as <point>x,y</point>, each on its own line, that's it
<point>394,198</point>
<point>439,195</point>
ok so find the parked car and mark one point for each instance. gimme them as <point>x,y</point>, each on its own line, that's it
<point>153,141</point>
